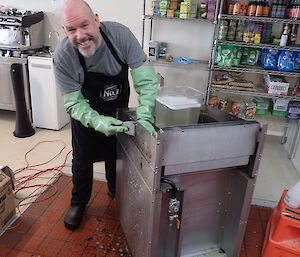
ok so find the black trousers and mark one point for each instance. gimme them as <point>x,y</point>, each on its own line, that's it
<point>90,146</point>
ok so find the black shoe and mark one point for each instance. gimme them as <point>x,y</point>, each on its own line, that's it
<point>74,217</point>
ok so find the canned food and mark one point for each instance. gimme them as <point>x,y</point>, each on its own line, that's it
<point>236,9</point>
<point>230,9</point>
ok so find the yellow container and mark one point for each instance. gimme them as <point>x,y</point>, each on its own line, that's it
<point>184,15</point>
<point>185,7</point>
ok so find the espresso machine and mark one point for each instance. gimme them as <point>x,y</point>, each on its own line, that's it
<point>20,30</point>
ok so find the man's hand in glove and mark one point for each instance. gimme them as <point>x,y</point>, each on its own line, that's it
<point>109,125</point>
<point>79,109</point>
<point>146,85</point>
<point>148,126</point>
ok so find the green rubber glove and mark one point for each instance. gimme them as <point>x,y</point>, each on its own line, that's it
<point>146,85</point>
<point>79,109</point>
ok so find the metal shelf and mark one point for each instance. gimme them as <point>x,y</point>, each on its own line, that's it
<point>243,44</point>
<point>252,93</point>
<point>151,17</point>
<point>257,69</point>
<point>202,64</point>
<point>261,19</point>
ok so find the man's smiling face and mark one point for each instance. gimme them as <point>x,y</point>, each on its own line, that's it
<point>81,27</point>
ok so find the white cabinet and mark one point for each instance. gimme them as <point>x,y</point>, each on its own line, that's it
<point>46,99</point>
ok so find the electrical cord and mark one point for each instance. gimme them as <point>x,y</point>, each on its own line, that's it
<point>25,182</point>
<point>172,184</point>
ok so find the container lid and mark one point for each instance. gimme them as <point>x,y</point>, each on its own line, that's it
<point>178,102</point>
<point>178,97</point>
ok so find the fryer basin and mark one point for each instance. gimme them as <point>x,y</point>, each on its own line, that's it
<point>214,140</point>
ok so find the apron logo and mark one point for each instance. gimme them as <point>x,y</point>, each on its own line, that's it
<point>111,92</point>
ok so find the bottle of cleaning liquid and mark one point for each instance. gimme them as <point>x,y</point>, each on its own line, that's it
<point>284,36</point>
<point>292,197</point>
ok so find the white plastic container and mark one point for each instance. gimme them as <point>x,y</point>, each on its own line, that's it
<point>292,198</point>
<point>178,106</point>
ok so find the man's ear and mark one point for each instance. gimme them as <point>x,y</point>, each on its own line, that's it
<point>97,19</point>
<point>64,29</point>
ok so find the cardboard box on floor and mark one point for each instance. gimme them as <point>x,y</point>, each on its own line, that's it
<point>7,201</point>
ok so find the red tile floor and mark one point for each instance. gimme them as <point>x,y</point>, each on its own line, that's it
<point>43,234</point>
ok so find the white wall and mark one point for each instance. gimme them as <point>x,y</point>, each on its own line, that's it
<point>108,10</point>
<point>185,38</point>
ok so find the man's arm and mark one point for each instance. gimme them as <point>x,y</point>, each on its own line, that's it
<point>79,109</point>
<point>146,85</point>
<point>67,78</point>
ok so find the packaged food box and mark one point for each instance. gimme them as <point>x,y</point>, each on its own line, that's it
<point>276,85</point>
<point>7,202</point>
<point>173,5</point>
<point>163,49</point>
<point>262,106</point>
<point>280,107</point>
<point>185,7</point>
<point>293,110</point>
<point>170,13</point>
<point>153,50</point>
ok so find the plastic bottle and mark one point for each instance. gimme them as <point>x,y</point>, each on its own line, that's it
<point>293,35</point>
<point>236,8</point>
<point>273,10</point>
<point>266,9</point>
<point>257,38</point>
<point>292,197</point>
<point>259,8</point>
<point>284,36</point>
<point>289,10</point>
<point>252,8</point>
<point>295,12</point>
<point>230,8</point>
<point>281,9</point>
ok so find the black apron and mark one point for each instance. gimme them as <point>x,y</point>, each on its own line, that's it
<point>105,95</point>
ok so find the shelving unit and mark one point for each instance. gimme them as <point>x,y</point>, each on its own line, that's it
<point>277,126</point>
<point>252,45</point>
<point>254,18</point>
<point>151,17</point>
<point>258,93</point>
<point>201,64</point>
<point>257,70</point>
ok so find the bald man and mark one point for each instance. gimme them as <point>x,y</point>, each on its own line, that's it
<point>91,69</point>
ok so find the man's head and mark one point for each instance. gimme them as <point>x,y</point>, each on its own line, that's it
<point>81,26</point>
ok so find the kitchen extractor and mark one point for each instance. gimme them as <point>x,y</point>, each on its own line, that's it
<point>187,192</point>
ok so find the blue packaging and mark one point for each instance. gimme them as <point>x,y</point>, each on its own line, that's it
<point>269,58</point>
<point>297,61</point>
<point>286,61</point>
